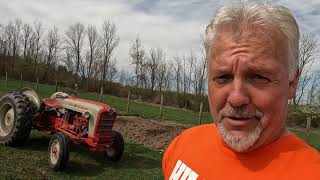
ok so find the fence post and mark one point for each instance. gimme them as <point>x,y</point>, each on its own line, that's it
<point>76,87</point>
<point>161,105</point>
<point>6,82</point>
<point>21,81</point>
<point>101,93</point>
<point>307,131</point>
<point>37,85</point>
<point>128,104</point>
<point>200,113</point>
<point>56,85</point>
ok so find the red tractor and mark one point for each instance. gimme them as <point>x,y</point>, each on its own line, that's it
<point>68,118</point>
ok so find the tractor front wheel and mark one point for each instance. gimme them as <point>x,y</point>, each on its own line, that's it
<point>58,151</point>
<point>115,152</point>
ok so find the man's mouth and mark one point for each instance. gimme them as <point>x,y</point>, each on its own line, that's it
<point>240,118</point>
<point>239,121</point>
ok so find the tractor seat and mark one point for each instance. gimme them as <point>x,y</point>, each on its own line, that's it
<point>52,103</point>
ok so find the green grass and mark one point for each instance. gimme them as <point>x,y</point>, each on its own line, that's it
<point>31,162</point>
<point>313,139</point>
<point>143,109</point>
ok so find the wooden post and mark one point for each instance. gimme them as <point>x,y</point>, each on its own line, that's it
<point>307,132</point>
<point>37,85</point>
<point>128,104</point>
<point>101,93</point>
<point>161,105</point>
<point>200,113</point>
<point>6,82</point>
<point>21,81</point>
<point>76,87</point>
<point>56,85</point>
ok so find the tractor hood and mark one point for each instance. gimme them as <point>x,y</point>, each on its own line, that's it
<point>82,106</point>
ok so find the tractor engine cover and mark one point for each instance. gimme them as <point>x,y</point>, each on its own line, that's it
<point>100,116</point>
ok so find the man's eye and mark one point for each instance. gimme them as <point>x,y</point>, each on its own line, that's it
<point>223,78</point>
<point>259,78</point>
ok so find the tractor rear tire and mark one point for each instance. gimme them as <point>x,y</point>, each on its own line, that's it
<point>116,151</point>
<point>58,151</point>
<point>16,116</point>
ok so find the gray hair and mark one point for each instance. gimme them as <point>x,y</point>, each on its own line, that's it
<point>267,17</point>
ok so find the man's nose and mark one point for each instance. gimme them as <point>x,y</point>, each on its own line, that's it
<point>238,95</point>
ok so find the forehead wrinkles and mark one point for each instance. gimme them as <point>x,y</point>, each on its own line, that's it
<point>247,44</point>
<point>250,44</point>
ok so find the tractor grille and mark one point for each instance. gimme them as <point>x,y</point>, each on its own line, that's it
<point>104,129</point>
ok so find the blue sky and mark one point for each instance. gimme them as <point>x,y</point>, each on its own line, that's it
<point>173,25</point>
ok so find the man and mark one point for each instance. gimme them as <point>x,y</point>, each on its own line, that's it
<point>252,52</point>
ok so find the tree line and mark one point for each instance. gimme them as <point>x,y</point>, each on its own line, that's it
<point>84,55</point>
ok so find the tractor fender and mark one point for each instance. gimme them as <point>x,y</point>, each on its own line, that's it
<point>33,97</point>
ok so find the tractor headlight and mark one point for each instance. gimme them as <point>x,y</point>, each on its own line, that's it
<point>86,115</point>
<point>62,111</point>
<point>110,112</point>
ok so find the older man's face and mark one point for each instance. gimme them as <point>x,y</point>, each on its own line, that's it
<point>249,88</point>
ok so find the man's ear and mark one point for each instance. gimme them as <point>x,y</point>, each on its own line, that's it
<point>293,84</point>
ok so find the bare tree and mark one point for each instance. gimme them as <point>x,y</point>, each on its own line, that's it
<point>309,53</point>
<point>168,77</point>
<point>123,76</point>
<point>112,70</point>
<point>314,88</point>
<point>93,52</point>
<point>153,63</point>
<point>67,59</point>
<point>6,37</point>
<point>36,43</point>
<point>109,41</point>
<point>53,45</point>
<point>162,75</point>
<point>96,73</point>
<point>16,37</point>
<point>27,33</point>
<point>186,75</point>
<point>189,72</point>
<point>193,74</point>
<point>2,48</point>
<point>137,55</point>
<point>12,34</point>
<point>74,38</point>
<point>189,76</point>
<point>177,73</point>
<point>3,43</point>
<point>200,71</point>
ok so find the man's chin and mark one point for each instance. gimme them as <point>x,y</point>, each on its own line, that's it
<point>237,133</point>
<point>240,140</point>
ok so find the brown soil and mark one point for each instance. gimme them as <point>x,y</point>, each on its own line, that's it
<point>154,134</point>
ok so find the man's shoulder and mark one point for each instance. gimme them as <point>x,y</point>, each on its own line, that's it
<point>206,130</point>
<point>190,149</point>
<point>298,155</point>
<point>200,129</point>
<point>198,137</point>
<point>306,153</point>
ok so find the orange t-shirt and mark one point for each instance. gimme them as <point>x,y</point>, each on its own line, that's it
<point>199,153</point>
